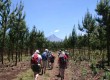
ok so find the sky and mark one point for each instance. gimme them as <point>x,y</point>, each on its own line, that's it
<point>56,16</point>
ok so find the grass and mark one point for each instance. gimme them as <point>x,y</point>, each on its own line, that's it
<point>28,75</point>
<point>26,58</point>
<point>84,72</point>
<point>106,75</point>
<point>47,75</point>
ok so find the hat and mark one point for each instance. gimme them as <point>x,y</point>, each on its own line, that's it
<point>46,50</point>
<point>59,50</point>
<point>62,54</point>
<point>37,51</point>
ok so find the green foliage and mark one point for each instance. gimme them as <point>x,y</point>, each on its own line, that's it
<point>73,37</point>
<point>36,40</point>
<point>71,41</point>
<point>84,72</point>
<point>28,75</point>
<point>4,18</point>
<point>14,34</point>
<point>106,75</point>
<point>94,69</point>
<point>103,11</point>
<point>16,38</point>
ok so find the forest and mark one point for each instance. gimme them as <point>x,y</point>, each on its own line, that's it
<point>17,41</point>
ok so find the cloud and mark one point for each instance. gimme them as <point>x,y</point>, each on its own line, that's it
<point>56,30</point>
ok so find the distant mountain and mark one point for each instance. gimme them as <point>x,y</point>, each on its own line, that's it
<point>54,38</point>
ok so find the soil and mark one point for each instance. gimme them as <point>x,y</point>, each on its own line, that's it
<point>75,71</point>
<point>8,72</point>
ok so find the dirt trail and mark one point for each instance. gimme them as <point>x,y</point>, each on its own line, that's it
<point>52,74</point>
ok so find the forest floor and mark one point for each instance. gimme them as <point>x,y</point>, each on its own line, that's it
<point>75,71</point>
<point>8,72</point>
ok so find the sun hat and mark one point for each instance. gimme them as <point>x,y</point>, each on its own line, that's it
<point>37,51</point>
<point>46,50</point>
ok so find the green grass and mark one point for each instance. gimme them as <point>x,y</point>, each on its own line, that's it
<point>84,72</point>
<point>26,58</point>
<point>28,75</point>
<point>106,75</point>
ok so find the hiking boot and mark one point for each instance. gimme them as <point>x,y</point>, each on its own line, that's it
<point>62,78</point>
<point>58,75</point>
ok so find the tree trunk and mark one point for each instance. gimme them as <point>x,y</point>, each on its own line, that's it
<point>12,51</point>
<point>9,55</point>
<point>88,46</point>
<point>19,53</point>
<point>3,41</point>
<point>16,49</point>
<point>73,50</point>
<point>108,47</point>
<point>16,57</point>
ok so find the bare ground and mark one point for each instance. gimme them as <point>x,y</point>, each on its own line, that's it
<point>8,72</point>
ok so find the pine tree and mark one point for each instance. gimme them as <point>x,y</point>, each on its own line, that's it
<point>103,10</point>
<point>4,16</point>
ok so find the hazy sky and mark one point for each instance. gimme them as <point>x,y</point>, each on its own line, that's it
<point>56,16</point>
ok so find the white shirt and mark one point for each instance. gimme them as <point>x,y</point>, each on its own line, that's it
<point>62,54</point>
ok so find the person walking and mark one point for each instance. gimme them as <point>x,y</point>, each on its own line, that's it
<point>48,54</point>
<point>51,60</point>
<point>62,64</point>
<point>36,64</point>
<point>59,52</point>
<point>67,55</point>
<point>44,60</point>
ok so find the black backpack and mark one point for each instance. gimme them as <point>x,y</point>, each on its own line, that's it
<point>52,58</point>
<point>62,60</point>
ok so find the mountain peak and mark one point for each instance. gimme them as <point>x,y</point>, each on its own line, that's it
<point>53,35</point>
<point>54,38</point>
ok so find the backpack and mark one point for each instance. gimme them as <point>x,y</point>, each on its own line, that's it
<point>34,59</point>
<point>66,55</point>
<point>44,56</point>
<point>62,60</point>
<point>52,57</point>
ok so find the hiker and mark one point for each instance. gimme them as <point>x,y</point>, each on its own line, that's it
<point>44,60</point>
<point>48,54</point>
<point>62,64</point>
<point>67,55</point>
<point>36,64</point>
<point>59,52</point>
<point>51,60</point>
